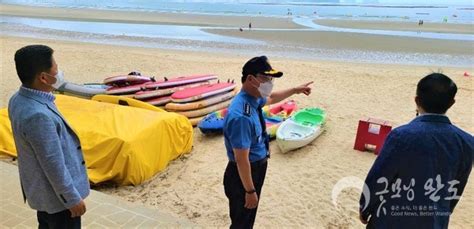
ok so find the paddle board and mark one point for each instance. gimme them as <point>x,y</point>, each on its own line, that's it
<point>204,111</point>
<point>148,94</point>
<point>202,103</point>
<point>176,81</point>
<point>195,121</point>
<point>158,101</point>
<point>122,80</point>
<point>131,89</point>
<point>193,94</point>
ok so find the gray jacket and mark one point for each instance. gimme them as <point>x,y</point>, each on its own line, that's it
<point>52,169</point>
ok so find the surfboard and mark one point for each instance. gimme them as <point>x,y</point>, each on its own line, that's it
<point>202,103</point>
<point>158,101</point>
<point>143,95</point>
<point>180,80</point>
<point>124,101</point>
<point>204,111</point>
<point>131,89</point>
<point>195,121</point>
<point>193,94</point>
<point>122,80</point>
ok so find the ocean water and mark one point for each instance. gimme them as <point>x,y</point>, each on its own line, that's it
<point>368,9</point>
<point>194,38</point>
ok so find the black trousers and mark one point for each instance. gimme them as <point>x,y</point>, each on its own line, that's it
<point>58,220</point>
<point>240,216</point>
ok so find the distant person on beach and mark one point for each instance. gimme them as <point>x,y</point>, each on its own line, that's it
<point>420,22</point>
<point>246,139</point>
<point>51,165</point>
<point>250,25</point>
<point>423,167</point>
<point>240,29</point>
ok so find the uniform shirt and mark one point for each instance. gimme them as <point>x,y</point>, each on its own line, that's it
<point>242,127</point>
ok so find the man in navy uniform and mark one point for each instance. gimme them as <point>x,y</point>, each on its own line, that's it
<point>246,139</point>
<point>423,167</point>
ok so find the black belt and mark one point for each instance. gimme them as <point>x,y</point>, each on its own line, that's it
<point>255,163</point>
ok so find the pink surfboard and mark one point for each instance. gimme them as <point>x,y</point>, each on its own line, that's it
<point>176,81</point>
<point>158,101</point>
<point>122,80</point>
<point>142,95</point>
<point>192,94</point>
<point>125,89</point>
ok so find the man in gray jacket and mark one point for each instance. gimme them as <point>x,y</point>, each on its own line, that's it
<point>52,169</point>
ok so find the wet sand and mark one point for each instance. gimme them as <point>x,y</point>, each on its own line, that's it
<point>399,26</point>
<point>354,41</point>
<point>146,17</point>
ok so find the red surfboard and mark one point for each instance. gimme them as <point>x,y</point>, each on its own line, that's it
<point>142,95</point>
<point>196,93</point>
<point>122,80</point>
<point>176,81</point>
<point>126,89</point>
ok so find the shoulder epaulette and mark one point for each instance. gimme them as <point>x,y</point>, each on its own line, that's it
<point>247,109</point>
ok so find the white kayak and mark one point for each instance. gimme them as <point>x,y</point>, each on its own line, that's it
<point>301,129</point>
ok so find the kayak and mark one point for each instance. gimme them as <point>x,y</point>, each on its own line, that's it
<point>303,127</point>
<point>274,115</point>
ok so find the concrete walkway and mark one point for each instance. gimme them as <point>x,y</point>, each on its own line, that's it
<point>103,211</point>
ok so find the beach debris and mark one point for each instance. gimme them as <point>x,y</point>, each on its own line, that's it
<point>467,74</point>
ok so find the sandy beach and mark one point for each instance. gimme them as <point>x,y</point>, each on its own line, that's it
<point>298,187</point>
<point>399,26</point>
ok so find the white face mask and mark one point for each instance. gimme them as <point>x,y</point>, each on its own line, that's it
<point>59,79</point>
<point>265,89</point>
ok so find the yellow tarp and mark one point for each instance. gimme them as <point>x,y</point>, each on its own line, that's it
<point>125,145</point>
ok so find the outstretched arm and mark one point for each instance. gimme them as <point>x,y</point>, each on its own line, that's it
<point>278,96</point>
